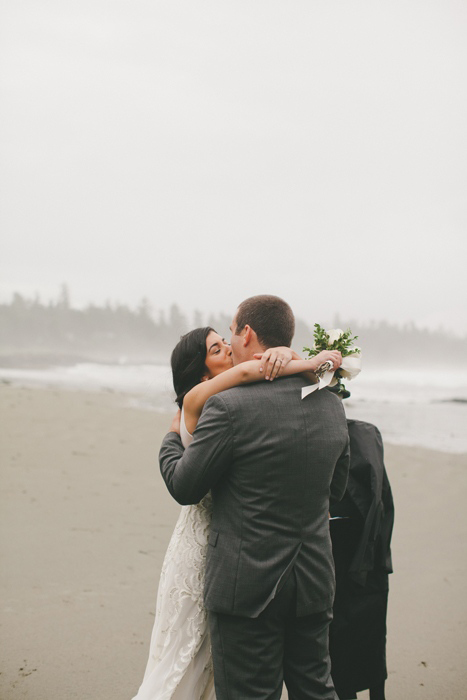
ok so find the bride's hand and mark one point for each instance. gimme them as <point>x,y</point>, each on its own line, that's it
<point>273,361</point>
<point>175,426</point>
<point>333,356</point>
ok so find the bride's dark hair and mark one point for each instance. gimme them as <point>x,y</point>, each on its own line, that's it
<point>188,361</point>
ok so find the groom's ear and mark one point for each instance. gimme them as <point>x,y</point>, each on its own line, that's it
<point>247,336</point>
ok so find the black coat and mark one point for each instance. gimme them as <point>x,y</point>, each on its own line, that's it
<point>361,546</point>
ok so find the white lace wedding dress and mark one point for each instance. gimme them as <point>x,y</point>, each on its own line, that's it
<point>180,664</point>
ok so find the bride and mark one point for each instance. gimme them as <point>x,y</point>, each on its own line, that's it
<point>180,665</point>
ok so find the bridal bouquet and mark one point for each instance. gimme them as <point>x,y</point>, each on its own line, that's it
<point>336,339</point>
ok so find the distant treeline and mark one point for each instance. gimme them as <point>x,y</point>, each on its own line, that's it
<point>33,332</point>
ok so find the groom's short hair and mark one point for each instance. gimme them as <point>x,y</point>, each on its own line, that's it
<point>270,317</point>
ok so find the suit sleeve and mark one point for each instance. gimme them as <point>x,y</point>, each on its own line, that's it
<point>190,474</point>
<point>341,474</point>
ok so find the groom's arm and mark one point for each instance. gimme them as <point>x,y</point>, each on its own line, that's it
<point>190,473</point>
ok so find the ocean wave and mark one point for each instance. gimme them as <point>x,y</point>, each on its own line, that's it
<point>410,407</point>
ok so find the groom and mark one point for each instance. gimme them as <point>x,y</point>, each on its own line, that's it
<point>272,462</point>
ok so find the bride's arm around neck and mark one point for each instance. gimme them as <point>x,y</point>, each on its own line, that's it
<point>243,373</point>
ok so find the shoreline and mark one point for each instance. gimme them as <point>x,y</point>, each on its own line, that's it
<point>434,424</point>
<point>50,359</point>
<point>85,521</point>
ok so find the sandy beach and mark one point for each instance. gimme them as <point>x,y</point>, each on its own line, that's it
<point>85,520</point>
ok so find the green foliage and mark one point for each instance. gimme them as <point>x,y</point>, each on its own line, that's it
<point>321,341</point>
<point>343,343</point>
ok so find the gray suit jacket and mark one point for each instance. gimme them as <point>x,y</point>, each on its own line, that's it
<point>272,463</point>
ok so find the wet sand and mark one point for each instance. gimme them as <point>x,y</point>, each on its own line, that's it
<point>85,520</point>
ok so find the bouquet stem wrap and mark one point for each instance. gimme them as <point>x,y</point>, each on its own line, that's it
<point>350,368</point>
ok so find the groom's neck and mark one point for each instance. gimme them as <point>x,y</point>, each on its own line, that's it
<point>252,350</point>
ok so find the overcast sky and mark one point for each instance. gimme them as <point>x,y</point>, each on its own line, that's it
<point>200,152</point>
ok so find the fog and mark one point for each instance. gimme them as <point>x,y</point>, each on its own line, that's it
<point>198,153</point>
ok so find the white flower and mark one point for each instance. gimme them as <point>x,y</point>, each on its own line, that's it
<point>351,366</point>
<point>334,334</point>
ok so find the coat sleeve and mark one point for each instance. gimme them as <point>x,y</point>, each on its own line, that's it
<point>190,474</point>
<point>341,474</point>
